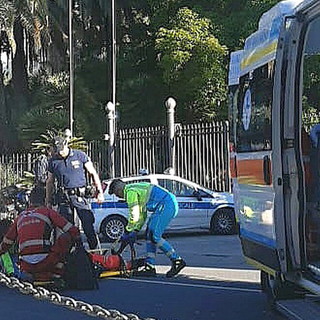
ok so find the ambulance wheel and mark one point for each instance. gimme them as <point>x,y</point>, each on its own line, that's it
<point>277,288</point>
<point>112,228</point>
<point>223,222</point>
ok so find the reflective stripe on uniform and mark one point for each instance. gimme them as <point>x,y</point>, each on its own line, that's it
<point>33,214</point>
<point>42,217</point>
<point>67,227</point>
<point>135,212</point>
<point>160,243</point>
<point>33,258</point>
<point>36,242</point>
<point>170,253</point>
<point>7,241</point>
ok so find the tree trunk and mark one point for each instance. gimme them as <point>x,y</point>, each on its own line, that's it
<point>19,64</point>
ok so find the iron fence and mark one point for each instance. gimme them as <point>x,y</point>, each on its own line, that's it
<point>13,167</point>
<point>201,154</point>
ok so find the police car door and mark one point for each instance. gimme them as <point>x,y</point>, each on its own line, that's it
<point>192,212</point>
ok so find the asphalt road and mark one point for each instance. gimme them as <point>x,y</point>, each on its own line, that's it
<point>216,284</point>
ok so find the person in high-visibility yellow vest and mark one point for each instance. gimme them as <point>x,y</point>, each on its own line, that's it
<point>6,263</point>
<point>142,197</point>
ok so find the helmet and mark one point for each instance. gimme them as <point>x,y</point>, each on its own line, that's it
<point>22,200</point>
<point>23,197</point>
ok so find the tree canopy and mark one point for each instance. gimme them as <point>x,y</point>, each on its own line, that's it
<point>165,48</point>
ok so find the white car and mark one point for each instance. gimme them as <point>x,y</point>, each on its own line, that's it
<point>199,208</point>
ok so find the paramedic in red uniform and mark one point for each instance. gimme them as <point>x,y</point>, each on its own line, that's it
<point>32,230</point>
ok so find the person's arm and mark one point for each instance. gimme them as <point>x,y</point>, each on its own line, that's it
<point>92,171</point>
<point>49,189</point>
<point>9,238</point>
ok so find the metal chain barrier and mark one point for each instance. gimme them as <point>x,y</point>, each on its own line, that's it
<point>54,297</point>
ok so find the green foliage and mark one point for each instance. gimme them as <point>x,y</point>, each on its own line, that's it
<point>193,64</point>
<point>312,80</point>
<point>31,14</point>
<point>164,47</point>
<point>44,145</point>
<point>311,91</point>
<point>7,174</point>
<point>50,107</point>
<point>45,141</point>
<point>50,102</point>
<point>233,20</point>
<point>90,99</point>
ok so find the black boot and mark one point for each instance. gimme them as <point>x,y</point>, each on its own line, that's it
<point>147,271</point>
<point>177,266</point>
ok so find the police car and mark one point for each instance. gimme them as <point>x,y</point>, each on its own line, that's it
<point>199,208</point>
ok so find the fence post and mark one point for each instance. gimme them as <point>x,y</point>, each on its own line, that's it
<point>110,108</point>
<point>29,162</point>
<point>170,105</point>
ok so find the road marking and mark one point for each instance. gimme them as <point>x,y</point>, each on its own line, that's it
<point>178,284</point>
<point>218,274</point>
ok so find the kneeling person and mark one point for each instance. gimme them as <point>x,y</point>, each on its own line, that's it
<point>142,197</point>
<point>32,229</point>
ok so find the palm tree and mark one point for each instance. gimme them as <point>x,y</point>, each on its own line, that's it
<point>24,35</point>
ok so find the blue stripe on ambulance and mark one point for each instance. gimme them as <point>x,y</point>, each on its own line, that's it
<point>257,238</point>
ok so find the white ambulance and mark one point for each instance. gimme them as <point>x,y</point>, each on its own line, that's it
<point>274,87</point>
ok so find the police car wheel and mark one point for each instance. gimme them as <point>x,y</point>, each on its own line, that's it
<point>112,227</point>
<point>223,222</point>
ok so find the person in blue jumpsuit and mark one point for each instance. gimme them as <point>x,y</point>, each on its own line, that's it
<point>141,198</point>
<point>69,167</point>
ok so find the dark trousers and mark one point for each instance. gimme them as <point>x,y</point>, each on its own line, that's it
<point>85,214</point>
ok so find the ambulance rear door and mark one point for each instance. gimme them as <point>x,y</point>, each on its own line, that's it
<point>253,187</point>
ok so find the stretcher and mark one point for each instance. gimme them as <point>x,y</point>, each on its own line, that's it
<point>111,262</point>
<point>107,263</point>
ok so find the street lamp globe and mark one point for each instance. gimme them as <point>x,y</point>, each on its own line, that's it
<point>110,107</point>
<point>170,103</point>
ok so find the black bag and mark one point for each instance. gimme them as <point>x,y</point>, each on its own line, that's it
<point>80,272</point>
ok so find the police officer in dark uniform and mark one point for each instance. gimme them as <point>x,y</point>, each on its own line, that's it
<point>69,167</point>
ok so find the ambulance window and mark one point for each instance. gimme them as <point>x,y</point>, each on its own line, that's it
<point>233,99</point>
<point>254,110</point>
<point>310,142</point>
<point>311,77</point>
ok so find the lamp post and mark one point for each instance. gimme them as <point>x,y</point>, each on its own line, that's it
<point>170,105</point>
<point>111,105</point>
<point>110,137</point>
<point>113,51</point>
<point>71,69</point>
